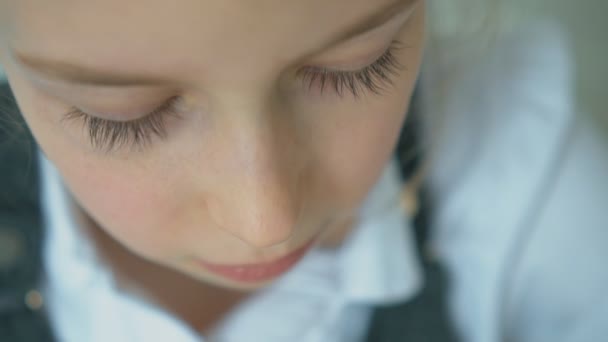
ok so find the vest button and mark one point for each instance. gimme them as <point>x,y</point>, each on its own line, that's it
<point>34,300</point>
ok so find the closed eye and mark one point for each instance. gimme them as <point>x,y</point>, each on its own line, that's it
<point>108,135</point>
<point>373,78</point>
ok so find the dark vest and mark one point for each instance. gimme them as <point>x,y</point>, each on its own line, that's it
<point>22,319</point>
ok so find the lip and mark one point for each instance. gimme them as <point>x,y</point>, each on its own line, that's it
<point>255,273</point>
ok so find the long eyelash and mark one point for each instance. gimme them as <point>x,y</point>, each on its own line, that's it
<point>374,78</point>
<point>108,135</point>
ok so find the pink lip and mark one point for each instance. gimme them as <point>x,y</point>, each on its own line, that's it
<point>254,273</point>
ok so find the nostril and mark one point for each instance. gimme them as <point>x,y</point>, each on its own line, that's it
<point>261,202</point>
<point>259,226</point>
<point>263,235</point>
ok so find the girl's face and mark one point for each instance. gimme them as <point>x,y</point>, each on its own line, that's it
<point>214,131</point>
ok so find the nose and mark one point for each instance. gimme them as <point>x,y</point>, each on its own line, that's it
<point>260,193</point>
<point>264,210</point>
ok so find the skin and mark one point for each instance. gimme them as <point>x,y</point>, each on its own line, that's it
<point>257,164</point>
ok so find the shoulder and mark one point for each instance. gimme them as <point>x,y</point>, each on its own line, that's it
<point>20,227</point>
<point>517,175</point>
<point>502,130</point>
<point>560,276</point>
<point>516,99</point>
<point>18,154</point>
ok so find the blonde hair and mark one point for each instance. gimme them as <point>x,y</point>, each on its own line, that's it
<point>458,35</point>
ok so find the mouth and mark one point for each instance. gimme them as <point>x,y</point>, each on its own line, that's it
<point>259,272</point>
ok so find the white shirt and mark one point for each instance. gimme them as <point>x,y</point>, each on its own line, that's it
<point>521,197</point>
<point>327,296</point>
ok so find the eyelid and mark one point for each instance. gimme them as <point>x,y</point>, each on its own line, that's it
<point>378,38</point>
<point>359,65</point>
<point>372,77</point>
<point>391,26</point>
<point>108,135</point>
<point>353,54</point>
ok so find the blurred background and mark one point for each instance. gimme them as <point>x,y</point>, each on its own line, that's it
<point>585,22</point>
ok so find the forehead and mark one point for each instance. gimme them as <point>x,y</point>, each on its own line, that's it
<point>172,31</point>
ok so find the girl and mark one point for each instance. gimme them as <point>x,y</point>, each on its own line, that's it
<point>223,170</point>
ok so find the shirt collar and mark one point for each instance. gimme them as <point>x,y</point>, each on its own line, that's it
<point>378,262</point>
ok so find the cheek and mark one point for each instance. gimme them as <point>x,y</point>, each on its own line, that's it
<point>135,203</point>
<point>357,146</point>
<point>128,207</point>
<point>122,201</point>
<point>356,139</point>
<point>358,153</point>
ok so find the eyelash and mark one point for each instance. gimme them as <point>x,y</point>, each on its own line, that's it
<point>374,78</point>
<point>110,135</point>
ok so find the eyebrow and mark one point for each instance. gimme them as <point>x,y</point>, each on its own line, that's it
<point>373,21</point>
<point>84,75</point>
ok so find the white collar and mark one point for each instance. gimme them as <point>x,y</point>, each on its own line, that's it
<point>378,263</point>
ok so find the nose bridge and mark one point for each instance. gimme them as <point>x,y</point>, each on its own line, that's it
<point>263,205</point>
